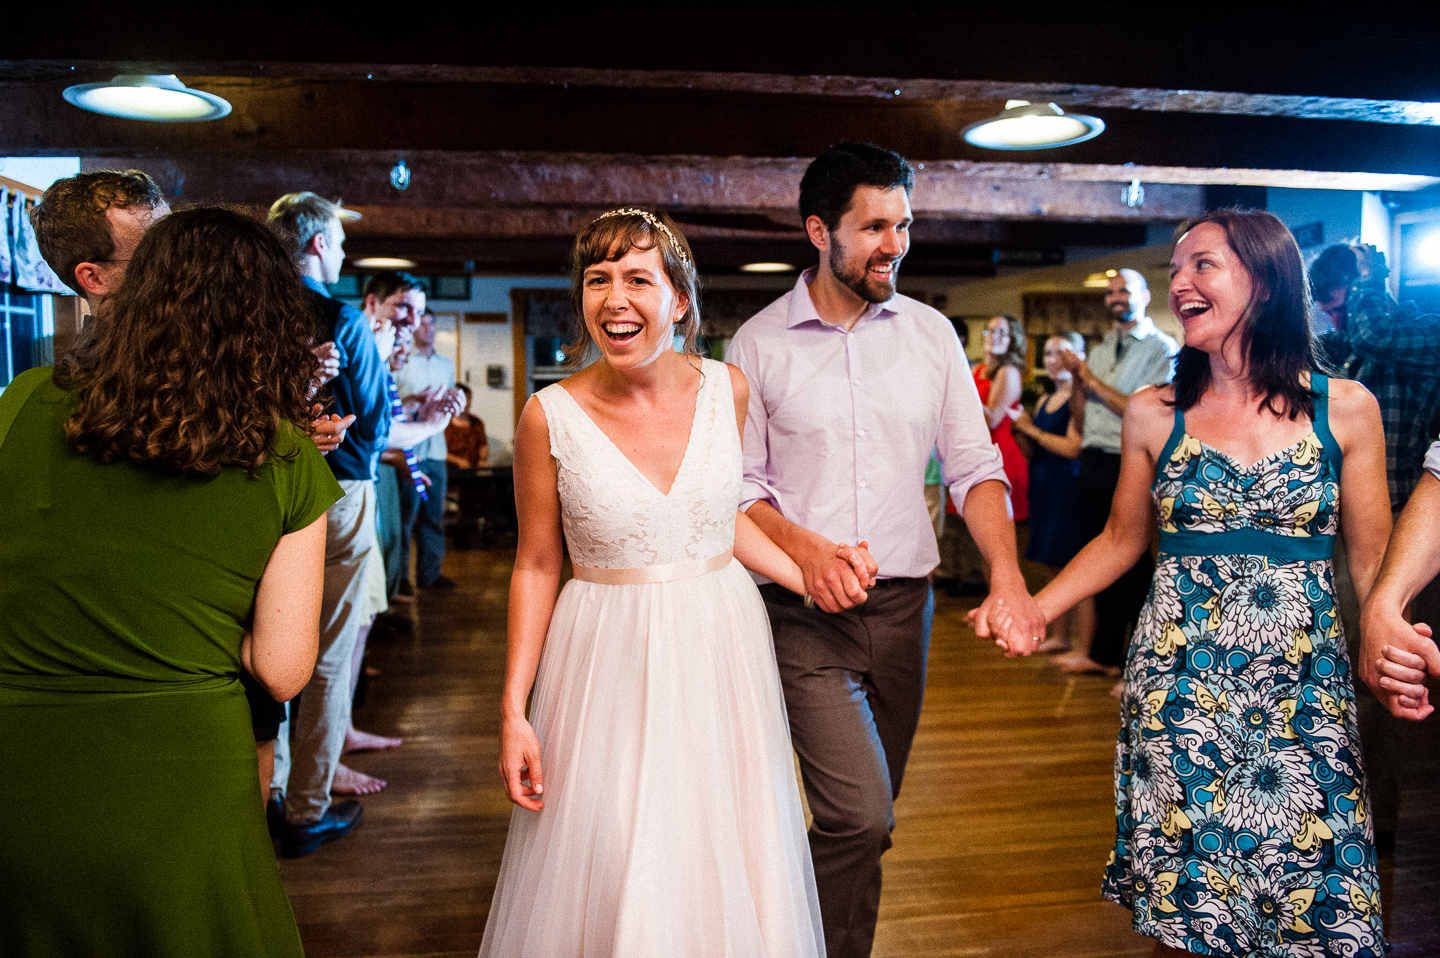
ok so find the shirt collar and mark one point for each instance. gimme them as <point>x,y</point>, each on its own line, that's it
<point>1144,328</point>
<point>316,285</point>
<point>802,307</point>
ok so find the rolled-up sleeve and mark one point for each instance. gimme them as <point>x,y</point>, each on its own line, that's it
<point>967,456</point>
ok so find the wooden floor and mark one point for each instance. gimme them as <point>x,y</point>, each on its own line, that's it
<point>1003,827</point>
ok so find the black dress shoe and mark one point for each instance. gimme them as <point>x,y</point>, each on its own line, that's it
<point>340,819</point>
<point>442,582</point>
<point>275,814</point>
<point>394,622</point>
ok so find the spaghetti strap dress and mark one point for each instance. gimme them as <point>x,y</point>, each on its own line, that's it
<point>672,823</point>
<point>1242,823</point>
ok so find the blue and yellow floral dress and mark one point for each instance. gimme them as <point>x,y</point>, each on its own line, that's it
<point>1241,806</point>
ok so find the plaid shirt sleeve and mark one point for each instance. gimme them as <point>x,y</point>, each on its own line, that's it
<point>1382,330</point>
<point>1397,357</point>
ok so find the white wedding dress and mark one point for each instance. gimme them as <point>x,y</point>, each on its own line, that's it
<point>672,824</point>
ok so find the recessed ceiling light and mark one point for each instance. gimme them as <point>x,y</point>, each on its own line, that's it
<point>1033,126</point>
<point>346,216</point>
<point>160,98</point>
<point>767,268</point>
<point>1099,280</point>
<point>385,262</point>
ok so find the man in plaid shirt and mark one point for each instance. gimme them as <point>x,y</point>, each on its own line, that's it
<point>1394,351</point>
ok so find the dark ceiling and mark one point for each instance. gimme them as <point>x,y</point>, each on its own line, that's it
<point>519,126</point>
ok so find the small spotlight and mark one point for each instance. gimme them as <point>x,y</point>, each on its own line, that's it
<point>385,262</point>
<point>767,268</point>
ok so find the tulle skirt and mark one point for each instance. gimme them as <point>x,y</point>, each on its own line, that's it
<point>672,823</point>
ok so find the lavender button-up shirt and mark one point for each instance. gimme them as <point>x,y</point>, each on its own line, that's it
<point>841,424</point>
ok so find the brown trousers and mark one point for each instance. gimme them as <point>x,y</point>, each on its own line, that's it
<point>854,684</point>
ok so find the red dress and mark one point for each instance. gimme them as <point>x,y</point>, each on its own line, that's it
<point>1017,470</point>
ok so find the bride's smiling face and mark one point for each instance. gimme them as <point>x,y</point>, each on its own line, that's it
<point>631,308</point>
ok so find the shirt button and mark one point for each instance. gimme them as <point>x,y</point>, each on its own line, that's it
<point>854,382</point>
<point>862,483</point>
<point>859,432</point>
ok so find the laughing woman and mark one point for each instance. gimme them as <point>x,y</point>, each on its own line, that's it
<point>1242,825</point>
<point>658,812</point>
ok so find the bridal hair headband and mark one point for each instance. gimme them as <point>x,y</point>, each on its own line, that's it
<point>655,224</point>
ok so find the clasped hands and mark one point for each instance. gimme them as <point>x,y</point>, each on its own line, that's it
<point>1011,617</point>
<point>1396,659</point>
<point>836,580</point>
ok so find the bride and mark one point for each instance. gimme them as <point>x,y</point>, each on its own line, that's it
<point>658,811</point>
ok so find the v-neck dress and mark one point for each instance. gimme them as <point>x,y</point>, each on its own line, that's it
<point>672,823</point>
<point>1242,811</point>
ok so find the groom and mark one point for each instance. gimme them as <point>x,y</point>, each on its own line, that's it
<point>851,386</point>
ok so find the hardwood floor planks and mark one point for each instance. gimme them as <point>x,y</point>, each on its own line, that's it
<point>1003,825</point>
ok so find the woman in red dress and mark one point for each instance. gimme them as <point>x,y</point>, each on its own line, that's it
<point>998,380</point>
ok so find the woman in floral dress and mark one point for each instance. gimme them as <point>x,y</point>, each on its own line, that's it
<point>1242,823</point>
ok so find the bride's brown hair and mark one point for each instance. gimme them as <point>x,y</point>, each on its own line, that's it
<point>607,239</point>
<point>201,354</point>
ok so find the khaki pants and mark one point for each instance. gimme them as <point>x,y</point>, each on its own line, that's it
<point>321,716</point>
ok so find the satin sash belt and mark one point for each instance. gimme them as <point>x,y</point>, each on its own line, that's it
<point>654,573</point>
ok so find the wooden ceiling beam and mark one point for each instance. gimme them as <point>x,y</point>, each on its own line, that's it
<point>283,115</point>
<point>989,92</point>
<point>456,183</point>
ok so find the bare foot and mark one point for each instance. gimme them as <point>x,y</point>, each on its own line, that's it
<point>358,741</point>
<point>350,782</point>
<point>1054,646</point>
<point>1078,664</point>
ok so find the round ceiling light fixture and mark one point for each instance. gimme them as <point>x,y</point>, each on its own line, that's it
<point>156,97</point>
<point>1032,126</point>
<point>385,262</point>
<point>767,268</point>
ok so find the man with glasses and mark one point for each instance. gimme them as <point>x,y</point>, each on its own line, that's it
<point>88,225</point>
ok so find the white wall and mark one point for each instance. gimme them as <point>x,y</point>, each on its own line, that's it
<point>39,171</point>
<point>1338,210</point>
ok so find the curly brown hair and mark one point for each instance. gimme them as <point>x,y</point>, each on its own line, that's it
<point>204,351</point>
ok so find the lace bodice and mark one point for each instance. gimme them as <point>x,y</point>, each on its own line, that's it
<point>614,518</point>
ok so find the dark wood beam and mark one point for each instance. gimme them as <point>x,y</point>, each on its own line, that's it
<point>540,193</point>
<point>1071,96</point>
<point>276,116</point>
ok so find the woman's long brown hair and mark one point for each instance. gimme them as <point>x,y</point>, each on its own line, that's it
<point>201,353</point>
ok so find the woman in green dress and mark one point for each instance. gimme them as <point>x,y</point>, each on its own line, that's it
<point>162,529</point>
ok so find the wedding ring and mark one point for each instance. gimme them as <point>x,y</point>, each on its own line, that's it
<point>809,601</point>
<point>1036,638</point>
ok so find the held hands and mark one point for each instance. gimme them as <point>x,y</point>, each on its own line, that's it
<point>520,764</point>
<point>836,577</point>
<point>1395,659</point>
<point>1012,618</point>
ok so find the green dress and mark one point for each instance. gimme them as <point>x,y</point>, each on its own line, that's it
<point>132,822</point>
